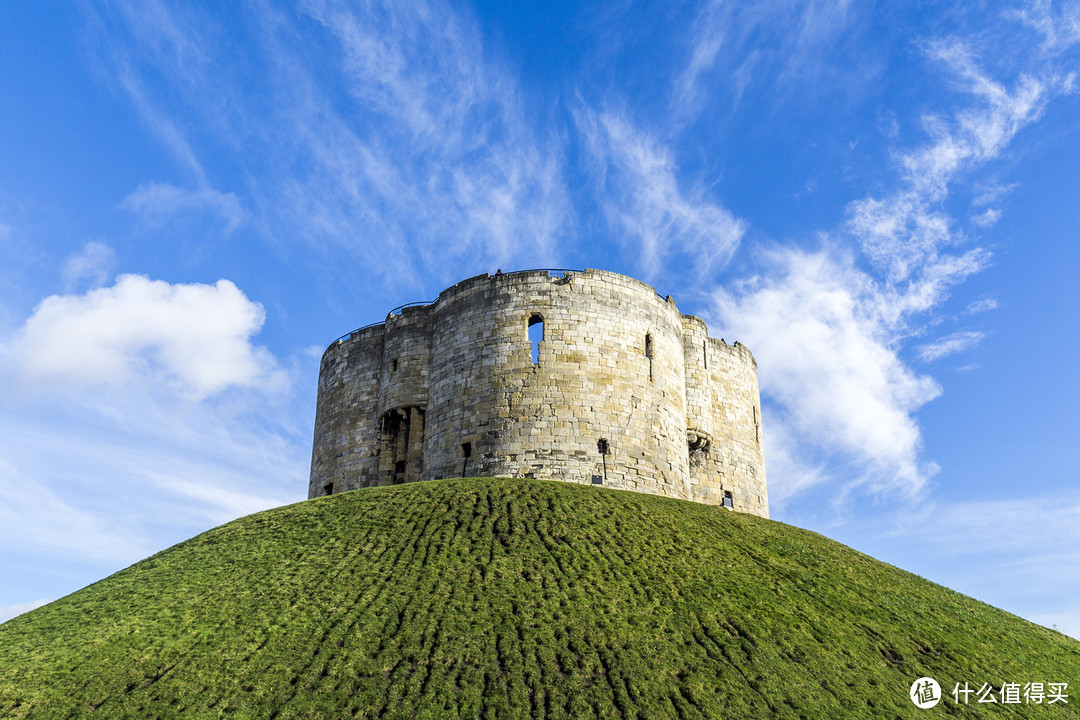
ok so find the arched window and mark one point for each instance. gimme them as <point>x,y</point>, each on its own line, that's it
<point>536,336</point>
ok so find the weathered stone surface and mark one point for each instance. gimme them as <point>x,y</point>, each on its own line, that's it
<point>451,389</point>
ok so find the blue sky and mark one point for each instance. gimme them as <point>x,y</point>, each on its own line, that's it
<point>879,200</point>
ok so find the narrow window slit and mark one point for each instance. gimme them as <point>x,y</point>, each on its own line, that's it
<point>649,352</point>
<point>466,452</point>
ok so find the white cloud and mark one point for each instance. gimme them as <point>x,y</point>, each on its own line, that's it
<point>904,233</point>
<point>641,194</point>
<point>899,234</point>
<point>1060,30</point>
<point>94,263</point>
<point>157,203</point>
<point>986,194</point>
<point>710,37</point>
<point>195,336</point>
<point>977,133</point>
<point>790,467</point>
<point>135,416</point>
<point>957,342</point>
<point>987,219</point>
<point>827,334</point>
<point>981,306</point>
<point>822,334</point>
<point>9,611</point>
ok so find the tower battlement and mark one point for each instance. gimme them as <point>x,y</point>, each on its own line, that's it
<point>534,374</point>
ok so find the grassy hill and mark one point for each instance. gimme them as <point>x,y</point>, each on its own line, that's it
<point>493,598</point>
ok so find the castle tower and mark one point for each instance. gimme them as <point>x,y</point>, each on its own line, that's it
<point>587,377</point>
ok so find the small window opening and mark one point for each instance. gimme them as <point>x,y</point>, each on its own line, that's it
<point>649,352</point>
<point>328,489</point>
<point>729,502</point>
<point>393,365</point>
<point>536,336</point>
<point>705,352</point>
<point>757,433</point>
<point>466,452</point>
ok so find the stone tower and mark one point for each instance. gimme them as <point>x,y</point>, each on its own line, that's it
<point>587,377</point>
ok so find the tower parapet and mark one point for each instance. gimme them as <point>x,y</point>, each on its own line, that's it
<point>457,388</point>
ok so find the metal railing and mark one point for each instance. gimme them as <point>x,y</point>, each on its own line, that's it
<point>399,308</point>
<point>395,311</point>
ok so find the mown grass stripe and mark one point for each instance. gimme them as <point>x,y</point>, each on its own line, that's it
<point>503,598</point>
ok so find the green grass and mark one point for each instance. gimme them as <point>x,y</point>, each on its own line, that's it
<point>491,598</point>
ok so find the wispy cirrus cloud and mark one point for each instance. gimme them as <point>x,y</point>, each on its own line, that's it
<point>93,264</point>
<point>1026,539</point>
<point>107,479</point>
<point>157,203</point>
<point>977,133</point>
<point>988,218</point>
<point>735,46</point>
<point>403,144</point>
<point>37,515</point>
<point>452,148</point>
<point>1058,23</point>
<point>902,234</point>
<point>9,611</point>
<point>667,226</point>
<point>957,342</point>
<point>981,306</point>
<point>169,36</point>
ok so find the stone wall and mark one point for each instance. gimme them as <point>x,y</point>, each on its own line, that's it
<point>452,389</point>
<point>345,452</point>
